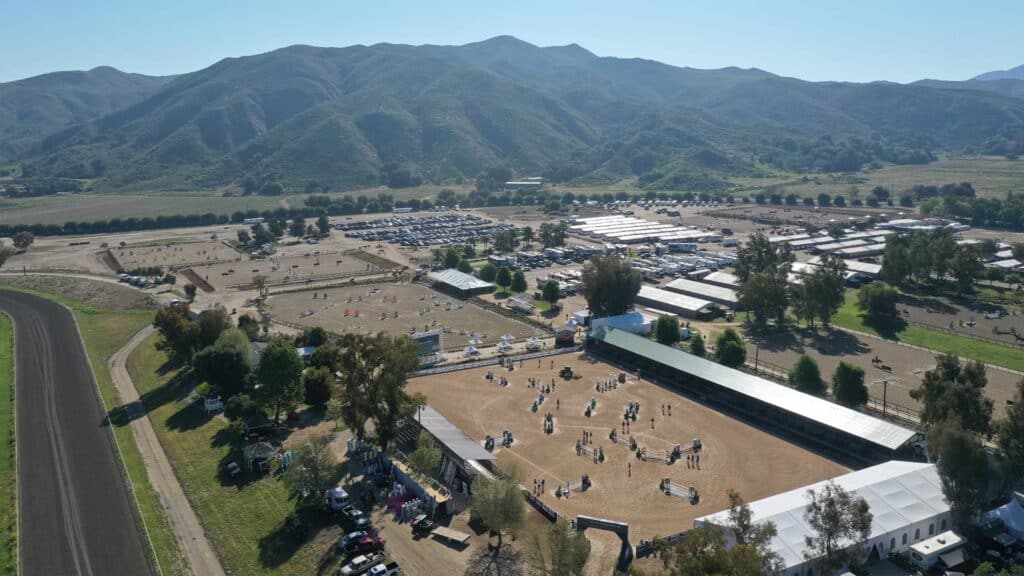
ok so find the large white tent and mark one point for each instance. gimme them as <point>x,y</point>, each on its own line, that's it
<point>905,498</point>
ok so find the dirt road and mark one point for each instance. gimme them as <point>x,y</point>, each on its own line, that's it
<point>184,523</point>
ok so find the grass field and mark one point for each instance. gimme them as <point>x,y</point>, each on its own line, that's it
<point>244,522</point>
<point>990,175</point>
<point>104,332</point>
<point>849,316</point>
<point>91,207</point>
<point>8,487</point>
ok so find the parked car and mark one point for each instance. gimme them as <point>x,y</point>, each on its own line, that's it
<point>355,518</point>
<point>360,564</point>
<point>337,498</point>
<point>389,569</point>
<point>347,539</point>
<point>364,545</point>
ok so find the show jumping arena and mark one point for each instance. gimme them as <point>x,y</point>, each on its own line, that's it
<point>623,487</point>
<point>396,308</point>
<point>296,269</point>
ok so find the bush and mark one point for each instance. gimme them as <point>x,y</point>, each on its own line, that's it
<point>878,299</point>
<point>848,385</point>
<point>240,406</point>
<point>316,385</point>
<point>806,376</point>
<point>697,345</point>
<point>666,330</point>
<point>730,350</point>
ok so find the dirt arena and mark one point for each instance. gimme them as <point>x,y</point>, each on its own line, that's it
<point>307,267</point>
<point>624,488</point>
<point>174,255</point>
<point>418,308</point>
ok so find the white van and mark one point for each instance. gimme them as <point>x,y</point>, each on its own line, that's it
<point>337,498</point>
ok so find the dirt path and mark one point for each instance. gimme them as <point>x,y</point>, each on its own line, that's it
<point>197,549</point>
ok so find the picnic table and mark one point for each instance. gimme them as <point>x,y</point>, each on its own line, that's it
<point>451,535</point>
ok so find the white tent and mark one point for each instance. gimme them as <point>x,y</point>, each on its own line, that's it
<point>534,343</point>
<point>508,338</point>
<point>470,351</point>
<point>1012,515</point>
<point>474,341</point>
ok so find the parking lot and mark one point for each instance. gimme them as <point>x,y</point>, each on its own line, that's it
<point>421,231</point>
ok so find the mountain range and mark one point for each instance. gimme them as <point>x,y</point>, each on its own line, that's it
<point>398,114</point>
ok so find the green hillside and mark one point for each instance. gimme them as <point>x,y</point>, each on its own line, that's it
<point>359,116</point>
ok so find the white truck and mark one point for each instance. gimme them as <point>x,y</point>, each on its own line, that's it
<point>389,569</point>
<point>360,564</point>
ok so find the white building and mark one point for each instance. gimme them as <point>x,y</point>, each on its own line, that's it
<point>905,498</point>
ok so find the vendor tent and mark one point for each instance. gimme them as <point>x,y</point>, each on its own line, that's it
<point>1011,514</point>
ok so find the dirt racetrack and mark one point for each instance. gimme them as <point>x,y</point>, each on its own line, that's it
<point>75,516</point>
<point>625,488</point>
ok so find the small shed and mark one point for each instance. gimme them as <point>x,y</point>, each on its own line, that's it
<point>566,335</point>
<point>258,423</point>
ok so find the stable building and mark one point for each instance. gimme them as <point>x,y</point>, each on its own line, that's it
<point>678,304</point>
<point>451,280</point>
<point>831,429</point>
<point>907,506</point>
<point>722,296</point>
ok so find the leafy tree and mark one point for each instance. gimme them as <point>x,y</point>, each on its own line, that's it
<point>519,284</point>
<point>966,267</point>
<point>952,392</point>
<point>896,261</point>
<point>211,323</point>
<point>314,468</point>
<point>920,256</point>
<point>240,406</point>
<point>878,299</point>
<point>505,240</point>
<point>22,240</point>
<point>848,385</point>
<point>452,257</point>
<point>758,255</point>
<point>312,337</point>
<point>943,249</point>
<point>498,504</point>
<point>179,333</point>
<point>557,553</point>
<point>5,253</point>
<point>962,464</point>
<point>464,266</point>
<point>297,227</point>
<point>261,235</point>
<point>609,285</point>
<point>316,386</point>
<point>504,277</point>
<point>488,272</point>
<point>705,551</point>
<point>755,535</point>
<point>553,235</point>
<point>666,330</point>
<point>550,292</point>
<point>373,376</point>
<point>840,523</point>
<point>190,292</point>
<point>225,364</point>
<point>260,282</point>
<point>527,233</point>
<point>280,376</point>
<point>697,345</point>
<point>323,223</point>
<point>730,350</point>
<point>243,237</point>
<point>250,326</point>
<point>1010,440</point>
<point>427,456</point>
<point>806,376</point>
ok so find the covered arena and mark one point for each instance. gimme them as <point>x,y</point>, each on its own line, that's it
<point>831,429</point>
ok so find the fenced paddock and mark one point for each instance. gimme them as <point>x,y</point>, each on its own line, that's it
<point>734,455</point>
<point>299,269</point>
<point>175,254</point>
<point>396,308</point>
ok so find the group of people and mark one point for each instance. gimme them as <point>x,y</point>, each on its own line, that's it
<point>538,486</point>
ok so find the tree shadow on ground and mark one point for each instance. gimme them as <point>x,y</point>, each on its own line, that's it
<point>887,327</point>
<point>931,304</point>
<point>278,546</point>
<point>772,339</point>
<point>177,388</point>
<point>190,417</point>
<point>832,342</point>
<point>309,416</point>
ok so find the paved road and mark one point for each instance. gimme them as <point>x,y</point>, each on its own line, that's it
<point>75,516</point>
<point>196,547</point>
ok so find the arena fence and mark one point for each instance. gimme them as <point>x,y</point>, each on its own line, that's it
<point>494,361</point>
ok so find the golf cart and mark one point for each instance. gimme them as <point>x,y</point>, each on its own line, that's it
<point>422,524</point>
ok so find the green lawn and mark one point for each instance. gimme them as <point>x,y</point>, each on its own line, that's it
<point>244,521</point>
<point>8,491</point>
<point>849,316</point>
<point>104,332</point>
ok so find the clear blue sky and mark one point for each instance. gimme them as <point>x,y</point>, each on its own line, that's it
<point>898,40</point>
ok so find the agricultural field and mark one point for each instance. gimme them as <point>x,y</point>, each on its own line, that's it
<point>990,175</point>
<point>625,488</point>
<point>396,308</point>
